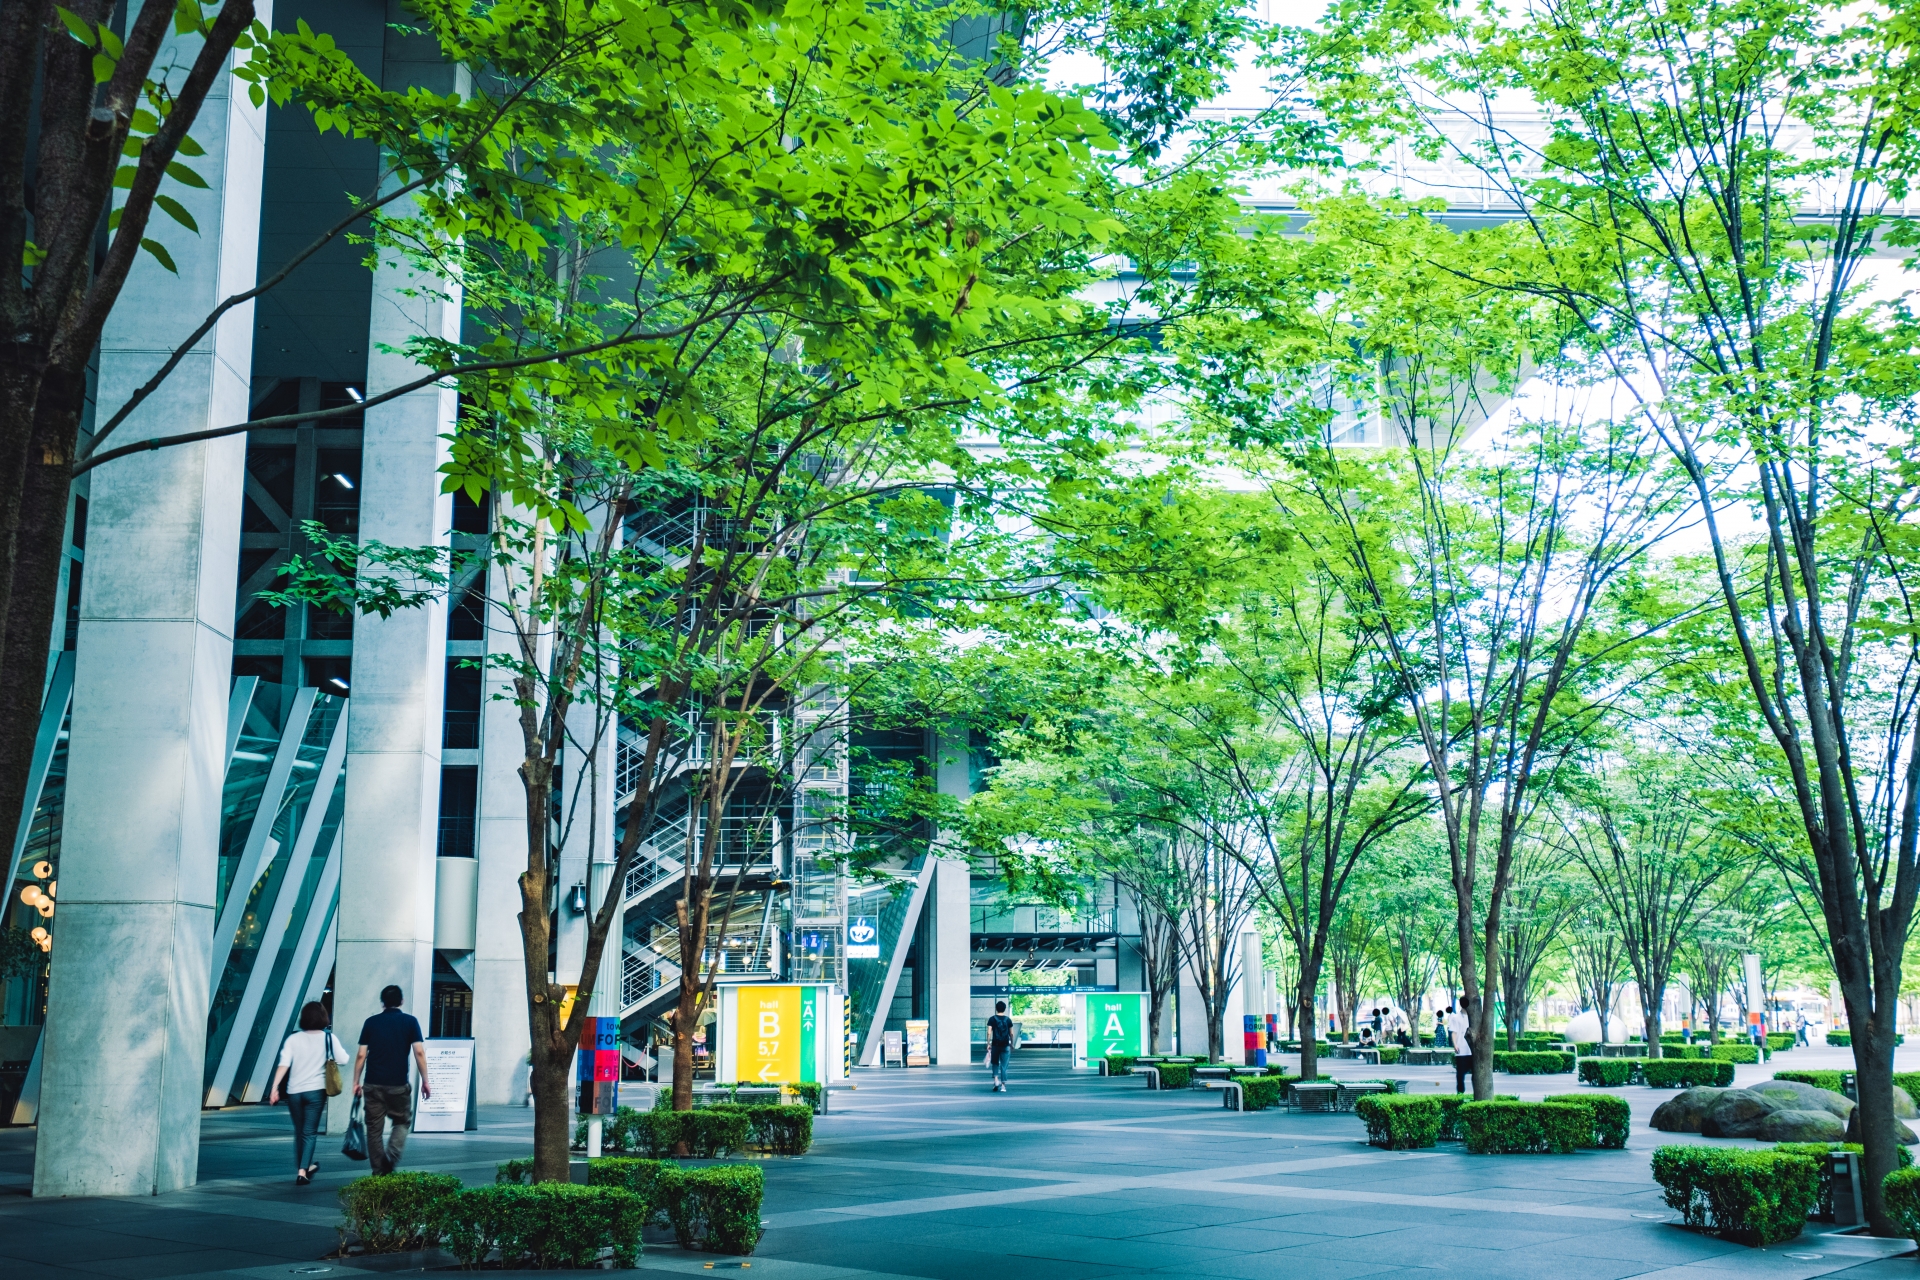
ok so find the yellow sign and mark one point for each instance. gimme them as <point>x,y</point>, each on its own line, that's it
<point>767,1034</point>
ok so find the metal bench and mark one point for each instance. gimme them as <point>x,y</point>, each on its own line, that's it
<point>1151,1072</point>
<point>1346,1094</point>
<point>1320,1095</point>
<point>1234,1099</point>
<point>1213,1073</point>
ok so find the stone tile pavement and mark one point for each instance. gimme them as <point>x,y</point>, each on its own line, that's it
<point>927,1174</point>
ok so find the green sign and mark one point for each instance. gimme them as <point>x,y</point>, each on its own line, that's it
<point>1114,1022</point>
<point>809,1031</point>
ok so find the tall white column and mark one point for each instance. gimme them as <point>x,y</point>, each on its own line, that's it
<point>951,935</point>
<point>501,1040</point>
<point>127,1010</point>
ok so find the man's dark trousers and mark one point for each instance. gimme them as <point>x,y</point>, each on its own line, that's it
<point>387,1102</point>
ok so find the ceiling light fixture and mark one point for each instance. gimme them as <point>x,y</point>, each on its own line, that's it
<point>336,680</point>
<point>353,394</point>
<point>340,478</point>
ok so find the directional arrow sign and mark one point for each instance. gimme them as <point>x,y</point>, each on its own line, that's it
<point>767,1033</point>
<point>770,1071</point>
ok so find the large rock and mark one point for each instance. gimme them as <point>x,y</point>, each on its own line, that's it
<point>1737,1113</point>
<point>1793,1095</point>
<point>1683,1112</point>
<point>1799,1126</point>
<point>1901,1133</point>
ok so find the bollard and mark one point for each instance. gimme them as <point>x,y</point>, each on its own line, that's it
<point>1843,1174</point>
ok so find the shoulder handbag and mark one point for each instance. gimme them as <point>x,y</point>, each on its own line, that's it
<point>331,1071</point>
<point>355,1146</point>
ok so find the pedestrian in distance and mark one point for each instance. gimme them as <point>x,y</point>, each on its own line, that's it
<point>1439,1028</point>
<point>307,1075</point>
<point>999,1044</point>
<point>1462,1048</point>
<point>386,1040</point>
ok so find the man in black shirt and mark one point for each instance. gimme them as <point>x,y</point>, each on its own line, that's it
<point>999,1044</point>
<point>385,1039</point>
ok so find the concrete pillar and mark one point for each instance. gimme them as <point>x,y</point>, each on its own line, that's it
<point>951,933</point>
<point>501,1040</point>
<point>390,832</point>
<point>127,1012</point>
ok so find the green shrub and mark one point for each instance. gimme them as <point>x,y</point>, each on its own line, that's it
<point>1257,1093</point>
<point>642,1177</point>
<point>1400,1122</point>
<point>1818,1079</point>
<point>1901,1190</point>
<point>1608,1073</point>
<point>1587,1048</point>
<point>1525,1128</point>
<point>1450,1104</point>
<point>549,1225</point>
<point>1840,1039</point>
<point>619,1132</point>
<point>1175,1075</point>
<point>1753,1197</point>
<point>708,1131</point>
<point>1533,1064</point>
<point>812,1093</point>
<point>517,1172</point>
<point>715,1209</point>
<point>398,1211</point>
<point>1120,1064</point>
<point>1819,1151</point>
<point>1779,1041</point>
<point>1735,1052</point>
<point>785,1130</point>
<point>1612,1117</point>
<point>1684,1073</point>
<point>1389,1054</point>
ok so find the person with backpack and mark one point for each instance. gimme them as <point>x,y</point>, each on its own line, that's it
<point>309,1070</point>
<point>999,1044</point>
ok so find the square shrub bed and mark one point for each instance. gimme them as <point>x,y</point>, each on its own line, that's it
<point>549,1225</point>
<point>1587,1048</point>
<point>1400,1122</point>
<point>785,1130</point>
<point>1609,1073</point>
<point>1685,1073</point>
<point>1525,1128</point>
<point>398,1212</point>
<point>1257,1093</point>
<point>1823,1209</point>
<point>715,1209</point>
<point>1532,1063</point>
<point>1779,1041</point>
<point>1612,1117</point>
<point>1732,1052</point>
<point>1175,1075</point>
<point>1751,1197</point>
<point>1389,1054</point>
<point>1120,1064</point>
<point>1818,1079</point>
<point>707,1131</point>
<point>1450,1104</point>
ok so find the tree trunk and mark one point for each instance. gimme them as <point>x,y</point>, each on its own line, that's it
<point>32,576</point>
<point>551,1047</point>
<point>1873,1034</point>
<point>693,911</point>
<point>1309,1048</point>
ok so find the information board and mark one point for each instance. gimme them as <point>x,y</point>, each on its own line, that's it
<point>766,1034</point>
<point>919,1032</point>
<point>450,1072</point>
<point>1107,1023</point>
<point>597,1072</point>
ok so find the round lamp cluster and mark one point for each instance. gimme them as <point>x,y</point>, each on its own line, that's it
<point>41,900</point>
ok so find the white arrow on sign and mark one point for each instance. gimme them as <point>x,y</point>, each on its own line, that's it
<point>767,1071</point>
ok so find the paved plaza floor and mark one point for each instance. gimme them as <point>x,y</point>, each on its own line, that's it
<point>925,1173</point>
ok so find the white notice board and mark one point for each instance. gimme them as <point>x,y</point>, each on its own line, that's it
<point>450,1068</point>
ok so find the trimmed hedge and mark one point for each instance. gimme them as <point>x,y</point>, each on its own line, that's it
<point>1684,1073</point>
<point>1844,1039</point>
<point>1780,1041</point>
<point>398,1211</point>
<point>642,1177</point>
<point>1608,1073</point>
<point>1901,1191</point>
<point>1586,1048</point>
<point>1400,1122</point>
<point>1120,1064</point>
<point>1753,1197</point>
<point>708,1131</point>
<point>812,1093</point>
<point>1612,1117</point>
<point>715,1209</point>
<point>785,1130</point>
<point>547,1225</point>
<point>1450,1104</point>
<point>1175,1075</point>
<point>1533,1064</point>
<point>1257,1093</point>
<point>1389,1054</point>
<point>1819,1151</point>
<point>1525,1128</point>
<point>1818,1079</point>
<point>1735,1052</point>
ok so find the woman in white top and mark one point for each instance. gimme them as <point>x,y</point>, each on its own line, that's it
<point>302,1071</point>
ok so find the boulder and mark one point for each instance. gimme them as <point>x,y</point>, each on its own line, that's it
<point>1737,1113</point>
<point>1796,1096</point>
<point>1903,1105</point>
<point>1901,1133</point>
<point>1683,1112</point>
<point>1799,1126</point>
